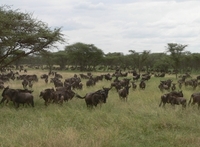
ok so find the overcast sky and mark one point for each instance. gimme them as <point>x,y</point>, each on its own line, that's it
<point>120,25</point>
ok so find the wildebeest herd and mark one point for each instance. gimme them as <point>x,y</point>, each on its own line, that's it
<point>65,91</point>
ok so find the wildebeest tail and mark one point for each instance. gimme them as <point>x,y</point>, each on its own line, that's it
<point>80,97</point>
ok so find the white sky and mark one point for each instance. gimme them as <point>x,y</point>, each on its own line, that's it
<point>120,25</point>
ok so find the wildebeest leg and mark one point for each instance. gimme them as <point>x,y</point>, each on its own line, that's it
<point>198,105</point>
<point>161,103</point>
<point>2,100</point>
<point>32,103</point>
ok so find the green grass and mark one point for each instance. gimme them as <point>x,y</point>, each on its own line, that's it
<point>138,122</point>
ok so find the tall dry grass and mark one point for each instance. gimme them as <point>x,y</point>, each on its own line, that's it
<point>138,122</point>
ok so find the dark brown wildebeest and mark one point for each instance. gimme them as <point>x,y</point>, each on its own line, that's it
<point>58,83</point>
<point>178,101</point>
<point>173,86</point>
<point>44,76</point>
<point>136,77</point>
<point>117,85</point>
<point>146,77</point>
<point>123,93</point>
<point>46,80</point>
<point>8,94</point>
<point>1,86</point>
<point>18,96</point>
<point>108,77</point>
<point>166,98</point>
<point>90,82</point>
<point>25,83</point>
<point>30,84</point>
<point>95,98</point>
<point>134,85</point>
<point>142,84</point>
<point>68,94</point>
<point>192,82</point>
<point>47,95</point>
<point>195,98</point>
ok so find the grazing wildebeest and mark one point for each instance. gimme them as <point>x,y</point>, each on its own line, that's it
<point>195,98</point>
<point>95,98</point>
<point>166,98</point>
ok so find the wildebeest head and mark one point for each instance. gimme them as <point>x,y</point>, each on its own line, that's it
<point>7,94</point>
<point>47,95</point>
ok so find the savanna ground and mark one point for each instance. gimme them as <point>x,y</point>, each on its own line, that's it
<point>136,123</point>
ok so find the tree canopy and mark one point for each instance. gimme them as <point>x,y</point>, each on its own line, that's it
<point>84,55</point>
<point>21,35</point>
<point>176,51</point>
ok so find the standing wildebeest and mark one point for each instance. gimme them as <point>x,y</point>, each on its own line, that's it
<point>47,95</point>
<point>173,86</point>
<point>21,97</point>
<point>142,84</point>
<point>7,94</point>
<point>25,83</point>
<point>17,96</point>
<point>195,98</point>
<point>178,101</point>
<point>94,98</point>
<point>123,93</point>
<point>168,97</point>
<point>134,85</point>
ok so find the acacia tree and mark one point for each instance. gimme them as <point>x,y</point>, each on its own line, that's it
<point>60,58</point>
<point>20,32</point>
<point>84,55</point>
<point>176,51</point>
<point>139,58</point>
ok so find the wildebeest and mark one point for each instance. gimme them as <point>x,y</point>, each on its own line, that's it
<point>47,95</point>
<point>7,94</point>
<point>195,98</point>
<point>108,77</point>
<point>95,98</point>
<point>134,85</point>
<point>178,101</point>
<point>173,86</point>
<point>18,96</point>
<point>123,93</point>
<point>25,83</point>
<point>165,85</point>
<point>168,97</point>
<point>142,84</point>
